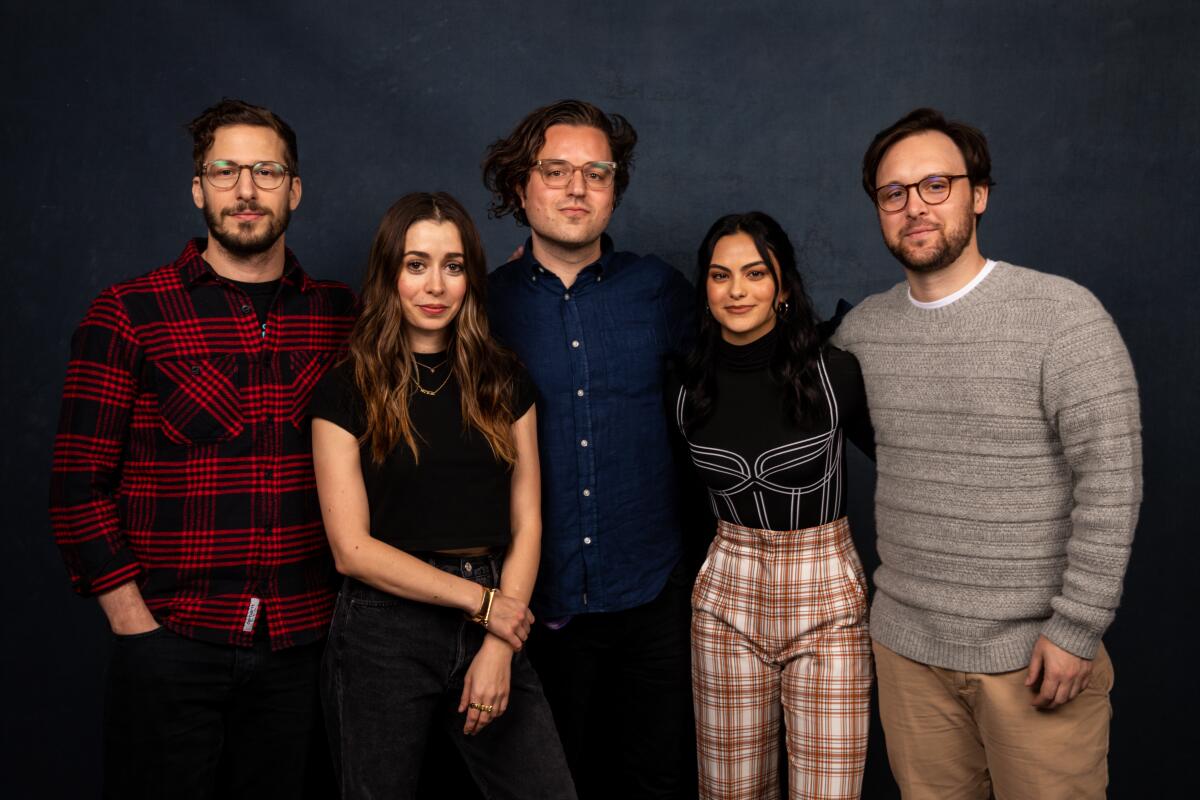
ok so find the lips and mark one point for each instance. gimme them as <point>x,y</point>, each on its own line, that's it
<point>919,230</point>
<point>246,213</point>
<point>739,309</point>
<point>433,310</point>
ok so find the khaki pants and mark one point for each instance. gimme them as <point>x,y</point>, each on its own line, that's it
<point>967,735</point>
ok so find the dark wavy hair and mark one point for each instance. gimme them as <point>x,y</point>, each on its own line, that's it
<point>970,142</point>
<point>793,362</point>
<point>384,365</point>
<point>508,161</point>
<point>238,112</point>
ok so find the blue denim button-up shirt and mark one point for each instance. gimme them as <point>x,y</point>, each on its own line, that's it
<point>598,353</point>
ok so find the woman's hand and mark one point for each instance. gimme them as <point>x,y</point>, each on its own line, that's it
<point>510,620</point>
<point>486,684</point>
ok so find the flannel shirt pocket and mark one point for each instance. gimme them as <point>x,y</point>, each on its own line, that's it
<point>199,399</point>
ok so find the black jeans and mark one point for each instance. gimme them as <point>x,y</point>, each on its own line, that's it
<point>188,719</point>
<point>394,668</point>
<point>620,686</point>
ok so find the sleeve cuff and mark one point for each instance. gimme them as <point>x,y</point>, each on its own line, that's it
<point>121,568</point>
<point>1072,637</point>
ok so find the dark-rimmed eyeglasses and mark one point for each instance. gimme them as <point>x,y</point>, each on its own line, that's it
<point>225,174</point>
<point>933,191</point>
<point>557,173</point>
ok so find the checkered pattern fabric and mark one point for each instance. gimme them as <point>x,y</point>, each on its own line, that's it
<point>183,458</point>
<point>779,624</point>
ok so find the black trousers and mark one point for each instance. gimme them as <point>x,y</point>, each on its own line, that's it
<point>395,668</point>
<point>619,685</point>
<point>188,719</point>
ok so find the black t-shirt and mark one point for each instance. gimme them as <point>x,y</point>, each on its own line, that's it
<point>262,295</point>
<point>762,470</point>
<point>458,494</point>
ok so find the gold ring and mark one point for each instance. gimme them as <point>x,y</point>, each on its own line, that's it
<point>484,707</point>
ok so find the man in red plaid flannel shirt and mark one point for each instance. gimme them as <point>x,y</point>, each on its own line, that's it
<point>183,496</point>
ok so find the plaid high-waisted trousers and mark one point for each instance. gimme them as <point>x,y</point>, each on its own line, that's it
<point>779,623</point>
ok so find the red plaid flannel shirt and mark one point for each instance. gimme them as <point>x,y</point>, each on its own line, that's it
<point>183,458</point>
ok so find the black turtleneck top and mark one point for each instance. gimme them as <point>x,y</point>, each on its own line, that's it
<point>762,470</point>
<point>458,494</point>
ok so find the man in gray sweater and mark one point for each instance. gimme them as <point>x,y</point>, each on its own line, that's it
<point>1009,455</point>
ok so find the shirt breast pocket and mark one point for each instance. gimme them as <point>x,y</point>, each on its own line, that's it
<point>632,359</point>
<point>199,399</point>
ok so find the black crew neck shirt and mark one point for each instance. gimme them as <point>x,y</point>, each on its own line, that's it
<point>763,470</point>
<point>458,495</point>
<point>261,296</point>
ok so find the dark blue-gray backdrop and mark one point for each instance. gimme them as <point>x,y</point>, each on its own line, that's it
<point>1091,108</point>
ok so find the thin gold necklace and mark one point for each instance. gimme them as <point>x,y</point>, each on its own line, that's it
<point>434,368</point>
<point>432,392</point>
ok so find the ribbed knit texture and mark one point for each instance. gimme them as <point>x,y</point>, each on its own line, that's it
<point>1008,446</point>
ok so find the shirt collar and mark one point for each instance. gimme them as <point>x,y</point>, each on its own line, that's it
<point>193,269</point>
<point>598,266</point>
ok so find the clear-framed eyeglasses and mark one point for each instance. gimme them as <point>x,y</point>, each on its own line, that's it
<point>933,191</point>
<point>557,173</point>
<point>225,174</point>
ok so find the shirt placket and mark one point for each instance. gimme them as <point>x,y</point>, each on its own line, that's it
<point>582,349</point>
<point>264,374</point>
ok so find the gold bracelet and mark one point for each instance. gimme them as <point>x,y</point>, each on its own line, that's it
<point>484,615</point>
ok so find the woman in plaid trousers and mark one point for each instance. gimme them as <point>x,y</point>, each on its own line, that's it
<point>779,611</point>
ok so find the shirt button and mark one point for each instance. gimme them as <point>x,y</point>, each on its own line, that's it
<point>246,309</point>
<point>587,492</point>
<point>567,296</point>
<point>579,392</point>
<point>533,277</point>
<point>195,370</point>
<point>583,442</point>
<point>587,540</point>
<point>268,473</point>
<point>574,343</point>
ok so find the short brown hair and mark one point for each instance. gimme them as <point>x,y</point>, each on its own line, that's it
<point>508,161</point>
<point>970,142</point>
<point>238,112</point>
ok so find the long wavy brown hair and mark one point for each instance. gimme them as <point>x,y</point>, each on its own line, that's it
<point>384,365</point>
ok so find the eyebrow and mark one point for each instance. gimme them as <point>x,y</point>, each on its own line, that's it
<point>423,254</point>
<point>759,263</point>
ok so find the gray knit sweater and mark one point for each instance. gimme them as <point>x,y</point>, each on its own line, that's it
<point>1009,456</point>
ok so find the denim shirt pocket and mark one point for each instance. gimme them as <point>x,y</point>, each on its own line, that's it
<point>633,366</point>
<point>200,399</point>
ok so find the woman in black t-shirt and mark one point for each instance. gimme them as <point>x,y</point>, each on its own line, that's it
<point>425,448</point>
<point>779,619</point>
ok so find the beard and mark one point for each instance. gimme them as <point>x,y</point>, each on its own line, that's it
<point>953,238</point>
<point>240,241</point>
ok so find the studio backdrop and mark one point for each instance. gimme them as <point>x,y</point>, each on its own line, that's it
<point>1092,110</point>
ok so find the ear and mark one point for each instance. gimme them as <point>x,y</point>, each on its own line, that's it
<point>197,192</point>
<point>980,195</point>
<point>521,194</point>
<point>294,192</point>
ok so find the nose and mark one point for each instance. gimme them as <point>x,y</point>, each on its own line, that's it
<point>914,206</point>
<point>737,288</point>
<point>577,186</point>
<point>245,188</point>
<point>435,284</point>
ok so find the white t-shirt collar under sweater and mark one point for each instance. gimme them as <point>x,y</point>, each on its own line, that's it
<point>950,298</point>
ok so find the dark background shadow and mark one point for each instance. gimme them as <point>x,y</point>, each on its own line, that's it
<point>1092,110</point>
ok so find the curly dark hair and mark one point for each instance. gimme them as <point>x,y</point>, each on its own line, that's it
<point>508,161</point>
<point>793,363</point>
<point>238,112</point>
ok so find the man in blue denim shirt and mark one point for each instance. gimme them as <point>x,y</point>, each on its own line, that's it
<point>596,328</point>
